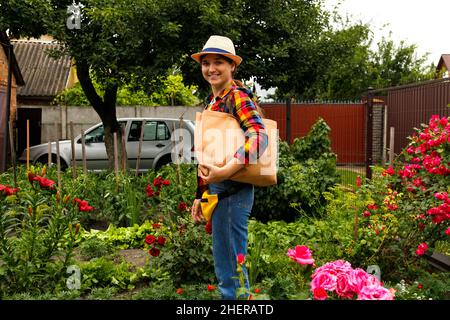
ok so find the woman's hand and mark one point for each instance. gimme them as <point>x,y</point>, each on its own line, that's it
<point>211,174</point>
<point>196,211</point>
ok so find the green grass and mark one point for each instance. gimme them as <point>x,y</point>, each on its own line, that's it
<point>348,177</point>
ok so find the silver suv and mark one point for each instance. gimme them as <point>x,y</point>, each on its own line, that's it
<point>164,141</point>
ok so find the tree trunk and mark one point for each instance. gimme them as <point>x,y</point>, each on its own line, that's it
<point>105,108</point>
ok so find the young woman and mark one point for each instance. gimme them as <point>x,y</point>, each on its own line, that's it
<point>230,218</point>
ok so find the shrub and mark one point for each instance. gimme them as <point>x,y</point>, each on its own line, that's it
<point>307,169</point>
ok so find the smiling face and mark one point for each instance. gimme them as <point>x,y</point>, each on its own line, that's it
<point>217,70</point>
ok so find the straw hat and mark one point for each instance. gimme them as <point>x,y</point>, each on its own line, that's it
<point>218,45</point>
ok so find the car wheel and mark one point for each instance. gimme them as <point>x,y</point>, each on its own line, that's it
<point>44,160</point>
<point>163,161</point>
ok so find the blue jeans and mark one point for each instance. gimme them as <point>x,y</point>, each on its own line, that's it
<point>229,235</point>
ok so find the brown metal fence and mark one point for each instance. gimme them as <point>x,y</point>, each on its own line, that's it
<point>346,120</point>
<point>410,106</point>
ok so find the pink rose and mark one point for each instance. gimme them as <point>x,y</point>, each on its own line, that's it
<point>301,255</point>
<point>375,292</point>
<point>421,249</point>
<point>357,279</point>
<point>344,288</point>
<point>324,280</point>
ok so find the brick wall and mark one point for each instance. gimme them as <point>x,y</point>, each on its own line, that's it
<point>4,82</point>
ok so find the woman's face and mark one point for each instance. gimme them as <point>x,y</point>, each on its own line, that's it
<point>216,70</point>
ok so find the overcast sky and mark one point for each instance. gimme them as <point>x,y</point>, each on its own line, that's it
<point>421,22</point>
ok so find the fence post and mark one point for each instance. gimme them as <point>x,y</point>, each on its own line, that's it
<point>72,149</point>
<point>391,145</point>
<point>288,120</point>
<point>369,133</point>
<point>13,151</point>
<point>116,159</point>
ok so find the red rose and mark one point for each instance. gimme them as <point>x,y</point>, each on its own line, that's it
<point>161,240</point>
<point>149,191</point>
<point>241,258</point>
<point>150,239</point>
<point>366,214</point>
<point>447,232</point>
<point>257,290</point>
<point>211,287</point>
<point>372,206</point>
<point>420,286</point>
<point>358,181</point>
<point>166,182</point>
<point>208,227</point>
<point>180,291</point>
<point>156,225</point>
<point>320,294</point>
<point>155,252</point>
<point>158,181</point>
<point>182,206</point>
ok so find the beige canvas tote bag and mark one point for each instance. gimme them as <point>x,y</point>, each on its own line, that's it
<point>218,136</point>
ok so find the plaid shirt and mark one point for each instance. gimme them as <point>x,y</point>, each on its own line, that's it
<point>240,100</point>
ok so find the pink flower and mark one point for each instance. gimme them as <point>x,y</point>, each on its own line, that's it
<point>375,292</point>
<point>301,255</point>
<point>421,249</point>
<point>441,196</point>
<point>390,171</point>
<point>240,259</point>
<point>325,280</point>
<point>357,279</point>
<point>447,232</point>
<point>344,288</point>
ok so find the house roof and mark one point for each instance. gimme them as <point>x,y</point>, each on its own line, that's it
<point>44,76</point>
<point>444,61</point>
<point>4,40</point>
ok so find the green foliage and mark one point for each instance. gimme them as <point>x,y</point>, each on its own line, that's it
<point>168,291</point>
<point>188,253</point>
<point>434,286</point>
<point>101,272</point>
<point>95,248</point>
<point>170,91</point>
<point>123,237</point>
<point>307,169</point>
<point>37,235</point>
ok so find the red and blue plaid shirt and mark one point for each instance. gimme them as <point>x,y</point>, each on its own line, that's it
<point>244,110</point>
